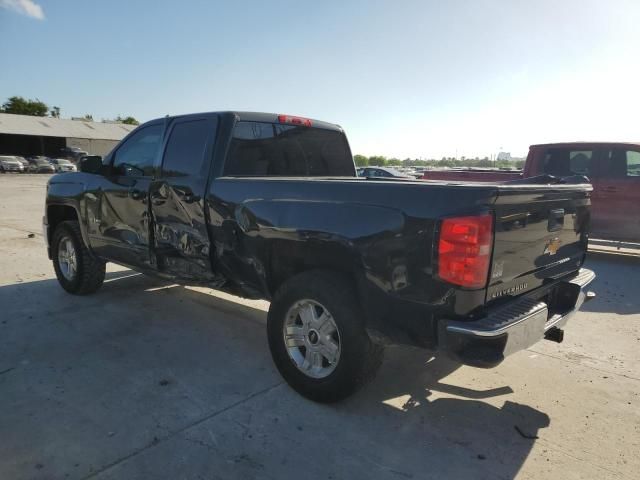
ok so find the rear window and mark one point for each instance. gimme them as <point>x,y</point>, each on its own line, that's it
<point>265,149</point>
<point>562,162</point>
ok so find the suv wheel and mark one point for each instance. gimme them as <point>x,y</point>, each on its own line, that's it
<point>317,337</point>
<point>77,270</point>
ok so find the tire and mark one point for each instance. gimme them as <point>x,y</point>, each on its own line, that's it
<point>357,359</point>
<point>88,274</point>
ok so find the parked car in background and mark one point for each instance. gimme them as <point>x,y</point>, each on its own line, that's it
<point>10,163</point>
<point>24,162</point>
<point>612,167</point>
<point>41,165</point>
<point>72,153</point>
<point>62,165</point>
<point>472,174</point>
<point>83,158</point>
<point>382,172</point>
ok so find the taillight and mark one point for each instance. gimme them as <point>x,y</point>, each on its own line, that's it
<point>464,250</point>
<point>305,122</point>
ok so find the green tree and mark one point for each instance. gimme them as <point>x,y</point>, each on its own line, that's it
<point>377,161</point>
<point>361,160</point>
<point>127,120</point>
<point>23,106</point>
<point>394,162</point>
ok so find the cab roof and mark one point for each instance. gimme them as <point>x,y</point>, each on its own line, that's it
<point>259,117</point>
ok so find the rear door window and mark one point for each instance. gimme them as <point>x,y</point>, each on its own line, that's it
<point>271,149</point>
<point>564,162</point>
<point>185,149</point>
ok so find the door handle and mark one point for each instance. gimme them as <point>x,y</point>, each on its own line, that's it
<point>136,194</point>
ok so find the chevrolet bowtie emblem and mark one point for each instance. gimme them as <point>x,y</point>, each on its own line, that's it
<point>552,246</point>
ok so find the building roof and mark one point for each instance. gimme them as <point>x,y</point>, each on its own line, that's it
<point>56,127</point>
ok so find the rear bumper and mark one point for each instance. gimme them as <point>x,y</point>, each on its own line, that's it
<point>516,325</point>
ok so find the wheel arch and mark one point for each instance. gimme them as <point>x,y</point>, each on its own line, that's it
<point>57,213</point>
<point>292,259</point>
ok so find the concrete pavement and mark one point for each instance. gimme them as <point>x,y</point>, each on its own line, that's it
<point>149,380</point>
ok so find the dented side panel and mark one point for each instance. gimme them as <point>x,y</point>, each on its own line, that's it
<point>266,229</point>
<point>181,242</point>
<point>180,238</point>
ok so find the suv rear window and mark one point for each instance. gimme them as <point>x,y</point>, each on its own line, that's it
<point>562,162</point>
<point>266,149</point>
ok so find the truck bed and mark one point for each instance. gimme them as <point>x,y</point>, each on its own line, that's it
<point>389,228</point>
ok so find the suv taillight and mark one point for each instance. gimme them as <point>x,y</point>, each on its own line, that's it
<point>464,250</point>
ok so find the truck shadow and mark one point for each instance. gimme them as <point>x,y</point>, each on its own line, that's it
<point>464,432</point>
<point>413,421</point>
<point>617,278</point>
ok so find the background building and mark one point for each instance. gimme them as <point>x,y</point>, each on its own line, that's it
<point>30,135</point>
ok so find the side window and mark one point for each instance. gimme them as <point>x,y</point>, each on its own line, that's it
<point>270,149</point>
<point>620,163</point>
<point>633,164</point>
<point>185,149</point>
<point>562,162</point>
<point>136,156</point>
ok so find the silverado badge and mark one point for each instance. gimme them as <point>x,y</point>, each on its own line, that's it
<point>552,246</point>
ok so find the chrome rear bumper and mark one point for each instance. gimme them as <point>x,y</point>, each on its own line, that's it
<point>517,325</point>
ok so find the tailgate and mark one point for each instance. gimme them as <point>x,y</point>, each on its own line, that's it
<point>541,233</point>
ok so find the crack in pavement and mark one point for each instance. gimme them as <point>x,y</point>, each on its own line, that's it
<point>35,232</point>
<point>583,365</point>
<point>559,448</point>
<point>157,441</point>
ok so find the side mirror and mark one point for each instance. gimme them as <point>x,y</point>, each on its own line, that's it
<point>91,164</point>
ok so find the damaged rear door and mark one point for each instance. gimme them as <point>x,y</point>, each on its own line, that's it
<point>180,239</point>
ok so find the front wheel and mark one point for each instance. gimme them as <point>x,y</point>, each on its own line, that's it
<point>77,270</point>
<point>317,337</point>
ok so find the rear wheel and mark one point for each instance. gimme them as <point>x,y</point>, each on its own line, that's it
<point>77,270</point>
<point>317,337</point>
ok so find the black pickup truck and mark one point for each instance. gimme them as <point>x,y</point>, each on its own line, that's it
<point>269,206</point>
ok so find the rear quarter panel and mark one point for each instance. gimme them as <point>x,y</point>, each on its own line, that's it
<point>381,232</point>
